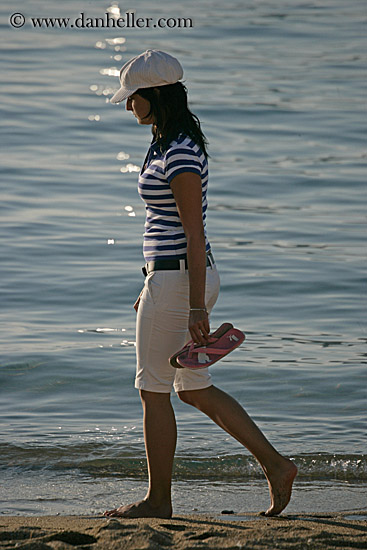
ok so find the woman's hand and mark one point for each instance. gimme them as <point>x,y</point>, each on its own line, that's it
<point>199,327</point>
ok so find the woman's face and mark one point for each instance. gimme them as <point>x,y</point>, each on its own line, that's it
<point>140,108</point>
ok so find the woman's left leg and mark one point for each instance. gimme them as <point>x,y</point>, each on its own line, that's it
<point>229,415</point>
<point>160,436</point>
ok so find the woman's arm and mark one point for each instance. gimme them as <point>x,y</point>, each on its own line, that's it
<point>186,188</point>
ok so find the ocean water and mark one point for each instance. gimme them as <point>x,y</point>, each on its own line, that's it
<point>281,93</point>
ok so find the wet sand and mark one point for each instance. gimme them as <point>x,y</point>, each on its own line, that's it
<point>305,531</point>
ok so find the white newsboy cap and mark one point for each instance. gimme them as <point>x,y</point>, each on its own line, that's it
<point>149,69</point>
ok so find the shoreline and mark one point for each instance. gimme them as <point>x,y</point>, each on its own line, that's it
<point>183,532</point>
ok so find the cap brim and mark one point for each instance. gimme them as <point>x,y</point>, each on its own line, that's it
<point>121,95</point>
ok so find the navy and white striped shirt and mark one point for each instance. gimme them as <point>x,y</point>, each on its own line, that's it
<point>164,237</point>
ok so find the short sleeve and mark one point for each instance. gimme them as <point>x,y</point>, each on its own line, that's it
<point>182,158</point>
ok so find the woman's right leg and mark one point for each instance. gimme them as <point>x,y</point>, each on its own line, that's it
<point>160,436</point>
<point>162,329</point>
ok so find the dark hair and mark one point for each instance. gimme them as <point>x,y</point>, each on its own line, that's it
<point>169,108</point>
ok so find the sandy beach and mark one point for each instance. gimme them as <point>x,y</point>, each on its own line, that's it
<point>311,531</point>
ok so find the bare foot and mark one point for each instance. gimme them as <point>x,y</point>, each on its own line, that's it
<point>280,486</point>
<point>141,509</point>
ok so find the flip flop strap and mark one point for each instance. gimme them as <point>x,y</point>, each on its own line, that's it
<point>215,351</point>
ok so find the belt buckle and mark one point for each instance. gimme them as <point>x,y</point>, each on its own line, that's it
<point>209,259</point>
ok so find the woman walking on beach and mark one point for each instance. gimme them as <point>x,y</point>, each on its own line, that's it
<point>181,285</point>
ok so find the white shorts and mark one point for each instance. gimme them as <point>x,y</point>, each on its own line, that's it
<point>162,330</point>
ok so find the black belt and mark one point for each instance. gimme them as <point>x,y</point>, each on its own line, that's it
<point>170,265</point>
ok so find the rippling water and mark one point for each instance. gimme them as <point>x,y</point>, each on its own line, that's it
<point>281,92</point>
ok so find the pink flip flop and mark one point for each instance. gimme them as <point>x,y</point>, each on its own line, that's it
<point>195,356</point>
<point>225,327</point>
